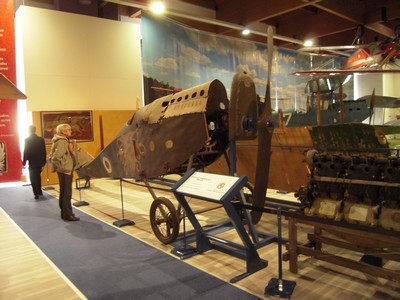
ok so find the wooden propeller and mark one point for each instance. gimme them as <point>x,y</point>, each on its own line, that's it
<point>265,130</point>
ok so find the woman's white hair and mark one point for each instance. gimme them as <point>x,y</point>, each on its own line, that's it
<point>62,128</point>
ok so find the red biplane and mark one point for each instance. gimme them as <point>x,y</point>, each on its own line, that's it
<point>377,57</point>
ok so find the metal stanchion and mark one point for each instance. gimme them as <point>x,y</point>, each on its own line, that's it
<point>47,187</point>
<point>277,286</point>
<point>123,221</point>
<point>78,187</point>
<point>186,250</point>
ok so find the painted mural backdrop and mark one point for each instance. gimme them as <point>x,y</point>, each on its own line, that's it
<point>175,56</point>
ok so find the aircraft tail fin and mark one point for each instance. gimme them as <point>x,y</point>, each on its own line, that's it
<point>82,159</point>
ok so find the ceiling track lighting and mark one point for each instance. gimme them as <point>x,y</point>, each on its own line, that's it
<point>207,21</point>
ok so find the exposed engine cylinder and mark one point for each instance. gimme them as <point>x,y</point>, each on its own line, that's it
<point>358,185</point>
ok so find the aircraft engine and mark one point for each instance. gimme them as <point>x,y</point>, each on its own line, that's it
<point>354,177</point>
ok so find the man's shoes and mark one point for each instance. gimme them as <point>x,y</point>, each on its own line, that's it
<point>36,196</point>
<point>72,218</point>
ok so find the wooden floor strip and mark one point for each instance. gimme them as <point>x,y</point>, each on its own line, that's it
<point>25,271</point>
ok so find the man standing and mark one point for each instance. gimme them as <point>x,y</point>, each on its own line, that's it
<point>35,154</point>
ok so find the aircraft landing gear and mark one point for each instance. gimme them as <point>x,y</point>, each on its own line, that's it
<point>164,220</point>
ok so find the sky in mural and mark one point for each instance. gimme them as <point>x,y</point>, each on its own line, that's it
<point>184,57</point>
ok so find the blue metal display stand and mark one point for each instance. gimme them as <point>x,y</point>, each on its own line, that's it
<point>220,189</point>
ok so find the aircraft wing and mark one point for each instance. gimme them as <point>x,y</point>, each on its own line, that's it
<point>338,50</point>
<point>344,72</point>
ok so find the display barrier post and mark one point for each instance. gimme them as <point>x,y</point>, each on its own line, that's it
<point>123,221</point>
<point>277,286</point>
<point>78,187</point>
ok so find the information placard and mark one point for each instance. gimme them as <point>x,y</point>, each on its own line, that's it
<point>206,185</point>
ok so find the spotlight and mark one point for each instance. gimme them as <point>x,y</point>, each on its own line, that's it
<point>308,43</point>
<point>157,7</point>
<point>246,31</point>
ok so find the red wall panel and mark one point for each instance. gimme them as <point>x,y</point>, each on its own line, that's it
<point>10,155</point>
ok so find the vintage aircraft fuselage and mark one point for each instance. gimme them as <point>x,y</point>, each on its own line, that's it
<point>163,136</point>
<point>355,111</point>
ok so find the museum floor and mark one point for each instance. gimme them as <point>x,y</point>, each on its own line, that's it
<point>315,279</point>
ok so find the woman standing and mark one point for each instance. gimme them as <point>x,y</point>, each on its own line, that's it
<point>63,162</point>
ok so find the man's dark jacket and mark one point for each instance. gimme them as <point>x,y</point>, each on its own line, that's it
<point>35,151</point>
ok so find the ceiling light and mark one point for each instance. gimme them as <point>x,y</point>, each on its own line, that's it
<point>246,31</point>
<point>157,7</point>
<point>308,43</point>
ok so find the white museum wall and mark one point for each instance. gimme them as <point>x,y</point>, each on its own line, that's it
<point>391,87</point>
<point>384,85</point>
<point>75,62</point>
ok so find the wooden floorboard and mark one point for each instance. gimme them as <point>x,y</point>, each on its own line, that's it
<point>315,280</point>
<point>25,271</point>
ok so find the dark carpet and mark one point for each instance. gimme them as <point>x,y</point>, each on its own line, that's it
<point>105,263</point>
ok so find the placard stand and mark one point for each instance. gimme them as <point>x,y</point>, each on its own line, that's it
<point>218,189</point>
<point>123,221</point>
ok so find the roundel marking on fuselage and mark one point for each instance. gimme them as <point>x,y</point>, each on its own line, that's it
<point>107,164</point>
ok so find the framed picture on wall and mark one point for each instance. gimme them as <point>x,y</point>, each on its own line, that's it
<point>81,124</point>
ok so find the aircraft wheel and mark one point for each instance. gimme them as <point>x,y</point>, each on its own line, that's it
<point>164,220</point>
